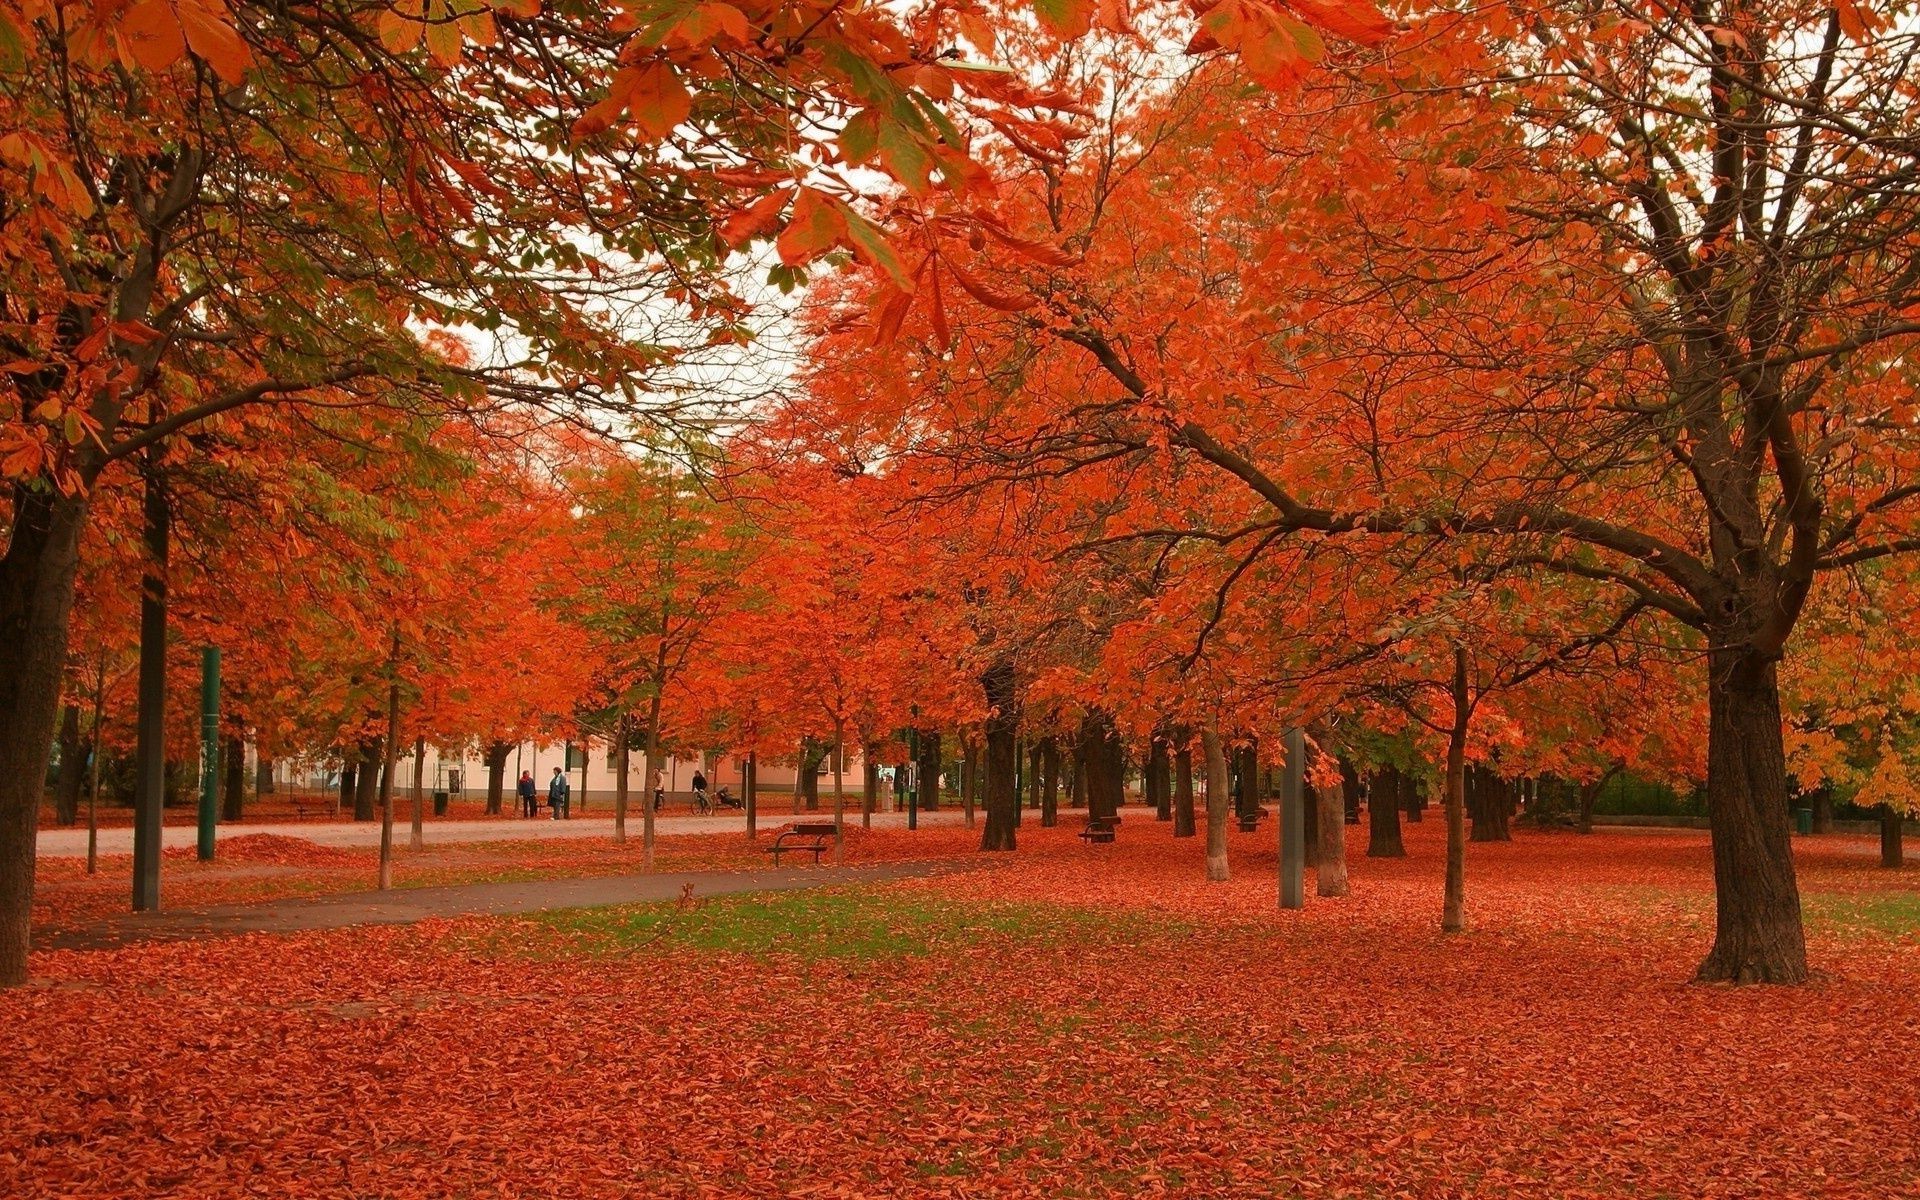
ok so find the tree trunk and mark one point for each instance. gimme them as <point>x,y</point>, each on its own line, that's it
<point>1247,795</point>
<point>1310,824</point>
<point>1822,809</point>
<point>1892,832</point>
<point>1104,764</point>
<point>73,767</point>
<point>839,793</point>
<point>262,774</point>
<point>750,793</point>
<point>1453,917</point>
<point>36,601</point>
<point>1383,815</point>
<point>622,770</point>
<point>1050,783</point>
<point>1331,877</point>
<point>1160,777</point>
<point>234,802</point>
<point>1002,754</point>
<point>870,783</point>
<point>1758,936</point>
<point>1349,791</point>
<point>654,766</point>
<point>927,793</point>
<point>496,776</point>
<point>1183,824</point>
<point>349,787</point>
<point>366,784</point>
<point>150,732</point>
<point>417,832</point>
<point>1218,795</point>
<point>1035,780</point>
<point>970,779</point>
<point>1414,796</point>
<point>812,754</point>
<point>392,744</point>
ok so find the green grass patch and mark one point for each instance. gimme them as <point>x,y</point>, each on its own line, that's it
<point>1896,914</point>
<point>852,923</point>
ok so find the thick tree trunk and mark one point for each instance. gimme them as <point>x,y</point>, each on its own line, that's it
<point>1050,783</point>
<point>1218,796</point>
<point>366,782</point>
<point>1892,833</point>
<point>1758,936</point>
<point>1183,823</point>
<point>1489,801</point>
<point>73,767</point>
<point>1331,876</point>
<point>1002,754</point>
<point>1453,916</point>
<point>496,776</point>
<point>234,803</point>
<point>1414,797</point>
<point>1104,764</point>
<point>349,786</point>
<point>36,600</point>
<point>927,796</point>
<point>262,775</point>
<point>1383,815</point>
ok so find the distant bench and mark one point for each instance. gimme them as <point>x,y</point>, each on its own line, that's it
<point>816,836</point>
<point>1099,830</point>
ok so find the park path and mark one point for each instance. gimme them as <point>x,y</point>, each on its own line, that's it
<point>404,906</point>
<point>72,843</point>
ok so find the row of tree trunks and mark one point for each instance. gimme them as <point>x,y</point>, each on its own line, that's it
<point>1386,798</point>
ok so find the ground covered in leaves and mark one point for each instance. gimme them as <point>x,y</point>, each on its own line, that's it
<point>1075,1022</point>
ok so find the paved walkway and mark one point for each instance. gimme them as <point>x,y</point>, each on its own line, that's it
<point>403,906</point>
<point>72,843</point>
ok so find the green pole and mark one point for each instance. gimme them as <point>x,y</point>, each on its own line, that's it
<point>209,748</point>
<point>1293,822</point>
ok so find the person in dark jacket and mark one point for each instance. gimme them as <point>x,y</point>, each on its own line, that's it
<point>559,794</point>
<point>529,795</point>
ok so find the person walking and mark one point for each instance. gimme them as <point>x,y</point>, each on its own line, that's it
<point>700,791</point>
<point>558,794</point>
<point>529,795</point>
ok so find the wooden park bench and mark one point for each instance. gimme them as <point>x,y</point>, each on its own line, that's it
<point>816,836</point>
<point>312,806</point>
<point>1250,821</point>
<point>1099,830</point>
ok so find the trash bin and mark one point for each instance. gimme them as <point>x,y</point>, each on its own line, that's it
<point>439,804</point>
<point>1803,820</point>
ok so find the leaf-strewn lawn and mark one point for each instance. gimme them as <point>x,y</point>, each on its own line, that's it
<point>1074,1023</point>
